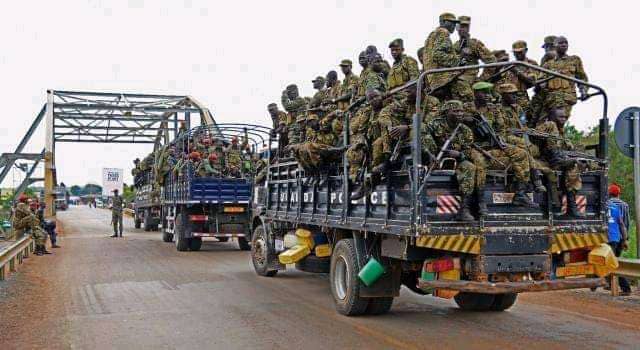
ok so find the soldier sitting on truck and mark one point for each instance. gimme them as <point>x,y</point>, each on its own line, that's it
<point>209,167</point>
<point>234,155</point>
<point>315,154</point>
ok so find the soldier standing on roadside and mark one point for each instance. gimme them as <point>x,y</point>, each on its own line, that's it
<point>116,213</point>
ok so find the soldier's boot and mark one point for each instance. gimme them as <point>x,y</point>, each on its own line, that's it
<point>115,235</point>
<point>521,199</point>
<point>482,203</point>
<point>44,250</point>
<point>555,197</point>
<point>572,207</point>
<point>464,214</point>
<point>38,251</point>
<point>537,181</point>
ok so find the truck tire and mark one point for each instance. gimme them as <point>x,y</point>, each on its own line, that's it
<point>182,243</point>
<point>167,237</point>
<point>147,222</point>
<point>261,253</point>
<point>314,264</point>
<point>345,285</point>
<point>195,244</point>
<point>379,306</point>
<point>137,223</point>
<point>474,301</point>
<point>223,239</point>
<point>243,243</point>
<point>503,301</point>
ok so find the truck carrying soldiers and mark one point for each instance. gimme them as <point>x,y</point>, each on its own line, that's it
<point>454,180</point>
<point>199,184</point>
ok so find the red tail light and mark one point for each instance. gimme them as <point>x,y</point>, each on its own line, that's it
<point>440,265</point>
<point>197,218</point>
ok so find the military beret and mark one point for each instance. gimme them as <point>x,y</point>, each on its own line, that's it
<point>451,104</point>
<point>519,45</point>
<point>346,63</point>
<point>549,40</point>
<point>448,16</point>
<point>396,43</point>
<point>482,85</point>
<point>507,88</point>
<point>318,78</point>
<point>464,20</point>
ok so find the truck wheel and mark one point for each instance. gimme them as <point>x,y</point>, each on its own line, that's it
<point>167,237</point>
<point>223,239</point>
<point>314,264</point>
<point>379,306</point>
<point>195,244</point>
<point>182,243</point>
<point>137,223</point>
<point>243,243</point>
<point>147,222</point>
<point>474,301</point>
<point>345,286</point>
<point>503,301</point>
<point>260,253</point>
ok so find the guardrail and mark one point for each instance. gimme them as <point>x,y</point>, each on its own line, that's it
<point>16,252</point>
<point>627,268</point>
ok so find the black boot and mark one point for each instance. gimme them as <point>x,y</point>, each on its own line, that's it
<point>465,212</point>
<point>38,251</point>
<point>537,181</point>
<point>555,198</point>
<point>482,204</point>
<point>115,235</point>
<point>521,199</point>
<point>572,207</point>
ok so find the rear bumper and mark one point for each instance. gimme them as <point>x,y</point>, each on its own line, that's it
<point>513,287</point>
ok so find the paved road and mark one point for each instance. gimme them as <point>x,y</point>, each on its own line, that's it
<point>140,293</point>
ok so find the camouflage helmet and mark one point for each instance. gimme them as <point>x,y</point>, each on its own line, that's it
<point>346,62</point>
<point>482,85</point>
<point>319,79</point>
<point>507,88</point>
<point>451,104</point>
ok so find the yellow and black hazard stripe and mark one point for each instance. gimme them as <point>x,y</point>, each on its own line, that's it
<point>570,241</point>
<point>456,243</point>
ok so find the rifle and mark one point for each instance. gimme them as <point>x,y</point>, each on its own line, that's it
<point>543,80</point>
<point>566,157</point>
<point>487,154</point>
<point>485,129</point>
<point>493,78</point>
<point>536,133</point>
<point>438,158</point>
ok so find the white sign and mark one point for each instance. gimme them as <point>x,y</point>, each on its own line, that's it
<point>111,180</point>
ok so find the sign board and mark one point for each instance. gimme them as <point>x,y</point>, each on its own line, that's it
<point>623,130</point>
<point>112,179</point>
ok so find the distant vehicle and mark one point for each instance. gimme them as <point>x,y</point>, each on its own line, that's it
<point>62,198</point>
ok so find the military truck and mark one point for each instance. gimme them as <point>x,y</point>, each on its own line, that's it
<point>404,231</point>
<point>193,207</point>
<point>147,206</point>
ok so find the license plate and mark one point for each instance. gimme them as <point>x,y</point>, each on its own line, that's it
<point>233,209</point>
<point>279,245</point>
<point>575,270</point>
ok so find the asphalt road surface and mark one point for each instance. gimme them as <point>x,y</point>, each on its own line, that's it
<point>138,292</point>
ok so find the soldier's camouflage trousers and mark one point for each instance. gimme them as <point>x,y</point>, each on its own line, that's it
<point>383,145</point>
<point>116,221</point>
<point>459,90</point>
<point>561,98</point>
<point>308,154</point>
<point>32,224</point>
<point>466,175</point>
<point>514,157</point>
<point>293,134</point>
<point>355,156</point>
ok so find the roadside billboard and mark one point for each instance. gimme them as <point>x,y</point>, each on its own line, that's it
<point>112,179</point>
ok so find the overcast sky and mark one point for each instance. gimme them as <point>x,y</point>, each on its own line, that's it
<point>237,56</point>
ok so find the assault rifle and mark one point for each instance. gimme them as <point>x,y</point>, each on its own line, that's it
<point>536,133</point>
<point>565,157</point>
<point>485,130</point>
<point>493,78</point>
<point>438,158</point>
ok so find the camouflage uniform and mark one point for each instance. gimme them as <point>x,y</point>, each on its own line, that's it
<point>479,52</point>
<point>359,128</point>
<point>296,110</point>
<point>234,158</point>
<point>392,115</point>
<point>116,214</point>
<point>361,87</point>
<point>564,89</point>
<point>438,130</point>
<point>208,168</point>
<point>24,220</point>
<point>572,178</point>
<point>403,71</point>
<point>439,53</point>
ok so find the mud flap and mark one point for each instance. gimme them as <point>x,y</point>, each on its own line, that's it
<point>388,285</point>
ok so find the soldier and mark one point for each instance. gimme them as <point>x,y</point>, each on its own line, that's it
<point>437,132</point>
<point>349,85</point>
<point>549,49</point>
<point>562,89</point>
<point>280,122</point>
<point>523,78</point>
<point>393,122</point>
<point>404,68</point>
<point>471,49</point>
<point>209,167</point>
<point>363,61</point>
<point>371,50</point>
<point>234,155</point>
<point>375,80</point>
<point>367,69</point>
<point>314,154</point>
<point>314,111</point>
<point>135,172</point>
<point>295,107</point>
<point>439,53</point>
<point>552,147</point>
<point>359,148</point>
<point>116,213</point>
<point>420,54</point>
<point>25,221</point>
<point>500,156</point>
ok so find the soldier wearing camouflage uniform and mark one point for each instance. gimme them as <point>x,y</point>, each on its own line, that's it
<point>296,106</point>
<point>437,132</point>
<point>234,156</point>
<point>562,89</point>
<point>439,53</point>
<point>117,205</point>
<point>279,120</point>
<point>376,80</point>
<point>24,220</point>
<point>549,47</point>
<point>522,77</point>
<point>371,51</point>
<point>209,167</point>
<point>471,49</point>
<point>404,68</point>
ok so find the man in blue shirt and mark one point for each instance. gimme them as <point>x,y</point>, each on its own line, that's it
<point>618,225</point>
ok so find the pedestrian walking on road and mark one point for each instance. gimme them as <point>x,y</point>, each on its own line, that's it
<point>116,214</point>
<point>618,228</point>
